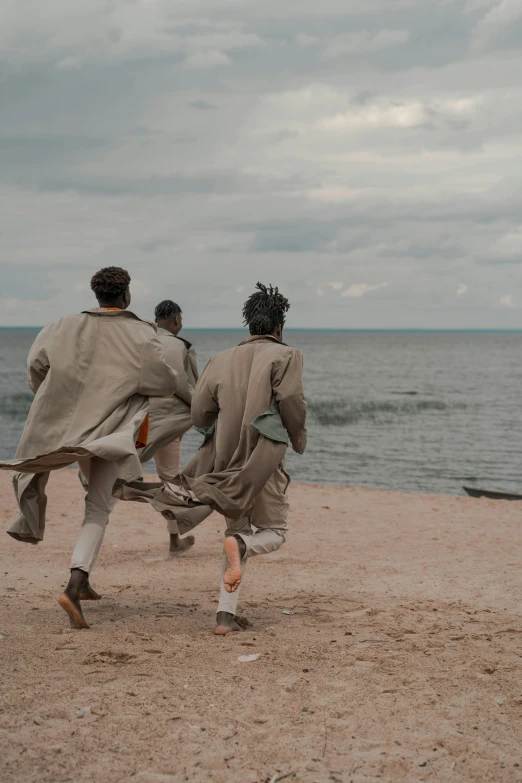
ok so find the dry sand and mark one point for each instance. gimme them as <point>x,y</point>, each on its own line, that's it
<point>400,660</point>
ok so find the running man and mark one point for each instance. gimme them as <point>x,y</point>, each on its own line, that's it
<point>250,401</point>
<point>92,375</point>
<point>170,416</point>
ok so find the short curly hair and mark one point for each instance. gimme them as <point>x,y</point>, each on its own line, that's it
<point>110,283</point>
<point>166,309</point>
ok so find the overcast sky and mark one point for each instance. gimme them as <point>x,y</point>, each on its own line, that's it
<point>364,156</point>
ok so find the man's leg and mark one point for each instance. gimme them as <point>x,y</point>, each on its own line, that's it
<point>168,466</point>
<point>168,460</point>
<point>99,503</point>
<point>270,516</point>
<point>226,612</point>
<point>87,593</point>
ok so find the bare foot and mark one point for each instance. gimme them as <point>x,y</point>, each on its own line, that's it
<point>232,576</point>
<point>226,623</point>
<point>89,594</point>
<point>73,610</point>
<point>179,545</point>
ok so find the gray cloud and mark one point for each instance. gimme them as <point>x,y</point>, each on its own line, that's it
<point>205,147</point>
<point>202,105</point>
<point>25,283</point>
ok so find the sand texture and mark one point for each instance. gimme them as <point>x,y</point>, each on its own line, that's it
<point>388,628</point>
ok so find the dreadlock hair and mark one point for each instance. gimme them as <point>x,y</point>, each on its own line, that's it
<point>166,309</point>
<point>110,284</point>
<point>265,310</point>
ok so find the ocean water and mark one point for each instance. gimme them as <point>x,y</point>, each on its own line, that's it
<point>414,411</point>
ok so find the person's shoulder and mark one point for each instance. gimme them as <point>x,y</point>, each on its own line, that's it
<point>127,317</point>
<point>133,323</point>
<point>66,321</point>
<point>225,355</point>
<point>184,343</point>
<point>287,353</point>
<point>283,349</point>
<point>171,344</point>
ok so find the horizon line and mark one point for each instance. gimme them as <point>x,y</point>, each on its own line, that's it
<point>378,330</point>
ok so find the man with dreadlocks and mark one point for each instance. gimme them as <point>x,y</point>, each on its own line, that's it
<point>92,375</point>
<point>250,402</point>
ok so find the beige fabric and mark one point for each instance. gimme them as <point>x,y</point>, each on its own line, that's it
<point>270,518</point>
<point>168,461</point>
<point>170,416</point>
<point>269,512</point>
<point>230,471</point>
<point>92,375</point>
<point>99,502</point>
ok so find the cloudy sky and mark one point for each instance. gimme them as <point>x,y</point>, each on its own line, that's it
<point>365,156</point>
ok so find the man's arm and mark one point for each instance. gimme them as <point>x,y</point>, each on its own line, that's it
<point>192,366</point>
<point>177,360</point>
<point>157,378</point>
<point>38,362</point>
<point>287,384</point>
<point>204,410</point>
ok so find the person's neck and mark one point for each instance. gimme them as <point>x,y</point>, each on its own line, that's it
<point>167,327</point>
<point>276,335</point>
<point>118,305</point>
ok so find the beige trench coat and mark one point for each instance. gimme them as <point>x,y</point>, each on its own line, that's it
<point>260,376</point>
<point>170,417</point>
<point>92,375</point>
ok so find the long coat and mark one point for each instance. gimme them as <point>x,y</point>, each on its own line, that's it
<point>250,400</point>
<point>92,375</point>
<point>170,417</point>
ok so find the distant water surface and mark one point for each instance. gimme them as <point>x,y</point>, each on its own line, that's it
<point>415,411</point>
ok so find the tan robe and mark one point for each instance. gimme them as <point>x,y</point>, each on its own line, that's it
<point>260,376</point>
<point>92,374</point>
<point>170,417</point>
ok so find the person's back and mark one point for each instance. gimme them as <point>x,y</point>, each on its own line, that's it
<point>87,366</point>
<point>245,382</point>
<point>92,375</point>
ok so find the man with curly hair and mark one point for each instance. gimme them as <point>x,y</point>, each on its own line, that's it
<point>249,403</point>
<point>92,375</point>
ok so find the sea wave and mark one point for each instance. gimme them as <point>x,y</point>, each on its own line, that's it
<point>342,413</point>
<point>16,406</point>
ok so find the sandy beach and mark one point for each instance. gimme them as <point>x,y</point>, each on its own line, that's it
<point>388,629</point>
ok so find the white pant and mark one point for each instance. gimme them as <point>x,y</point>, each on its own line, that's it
<point>101,476</point>
<point>270,516</point>
<point>168,460</point>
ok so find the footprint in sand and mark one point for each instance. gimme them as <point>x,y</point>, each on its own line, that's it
<point>108,657</point>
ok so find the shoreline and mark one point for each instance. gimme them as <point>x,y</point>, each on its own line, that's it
<point>320,485</point>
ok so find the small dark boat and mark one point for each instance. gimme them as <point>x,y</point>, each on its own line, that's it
<point>475,492</point>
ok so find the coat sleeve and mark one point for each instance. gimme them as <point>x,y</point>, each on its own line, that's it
<point>185,390</point>
<point>157,378</point>
<point>192,366</point>
<point>287,385</point>
<point>205,408</point>
<point>38,362</point>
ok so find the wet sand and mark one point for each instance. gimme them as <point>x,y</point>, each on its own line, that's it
<point>389,632</point>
